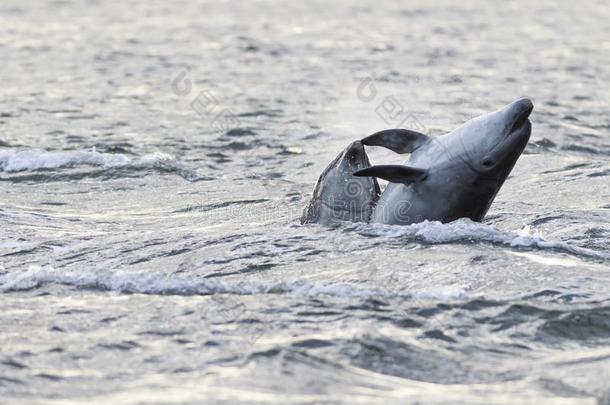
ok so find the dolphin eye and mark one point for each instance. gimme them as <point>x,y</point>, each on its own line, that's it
<point>488,163</point>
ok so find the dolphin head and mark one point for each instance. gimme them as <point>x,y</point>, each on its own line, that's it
<point>339,195</point>
<point>343,190</point>
<point>492,143</point>
<point>452,176</point>
<point>476,159</point>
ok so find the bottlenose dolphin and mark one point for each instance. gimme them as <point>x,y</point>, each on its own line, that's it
<point>340,196</point>
<point>451,176</point>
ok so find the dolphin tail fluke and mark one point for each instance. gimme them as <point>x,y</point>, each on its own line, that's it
<point>393,173</point>
<point>397,140</point>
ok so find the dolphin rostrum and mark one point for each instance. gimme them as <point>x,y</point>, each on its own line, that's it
<point>339,195</point>
<point>451,176</point>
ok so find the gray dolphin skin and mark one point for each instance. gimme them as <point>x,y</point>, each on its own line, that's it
<point>339,195</point>
<point>451,176</point>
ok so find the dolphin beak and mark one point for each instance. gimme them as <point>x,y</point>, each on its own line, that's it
<point>355,150</point>
<point>524,104</point>
<point>520,111</point>
<point>355,156</point>
<point>518,132</point>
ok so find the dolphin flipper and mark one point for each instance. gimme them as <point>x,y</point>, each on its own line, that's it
<point>394,173</point>
<point>397,140</point>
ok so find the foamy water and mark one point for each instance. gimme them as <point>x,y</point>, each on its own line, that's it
<point>32,160</point>
<point>469,231</point>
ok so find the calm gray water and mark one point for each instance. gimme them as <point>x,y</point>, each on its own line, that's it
<point>155,158</point>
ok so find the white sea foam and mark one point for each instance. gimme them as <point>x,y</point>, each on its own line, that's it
<point>452,293</point>
<point>133,282</point>
<point>17,161</point>
<point>29,160</point>
<point>467,230</point>
<point>167,283</point>
<point>156,283</point>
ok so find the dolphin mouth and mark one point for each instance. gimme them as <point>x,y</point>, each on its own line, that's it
<point>513,145</point>
<point>355,149</point>
<point>525,108</point>
<point>517,136</point>
<point>355,156</point>
<point>355,153</point>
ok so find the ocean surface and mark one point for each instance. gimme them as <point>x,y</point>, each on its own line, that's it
<point>155,158</point>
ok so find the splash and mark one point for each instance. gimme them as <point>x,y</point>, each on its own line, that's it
<point>33,160</point>
<point>465,230</point>
<point>155,283</point>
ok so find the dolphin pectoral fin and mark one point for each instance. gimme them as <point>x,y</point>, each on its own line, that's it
<point>394,173</point>
<point>397,140</point>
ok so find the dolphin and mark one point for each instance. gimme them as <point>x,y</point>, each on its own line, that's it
<point>451,176</point>
<point>340,196</point>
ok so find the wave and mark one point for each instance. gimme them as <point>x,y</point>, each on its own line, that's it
<point>164,284</point>
<point>155,283</point>
<point>33,160</point>
<point>464,229</point>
